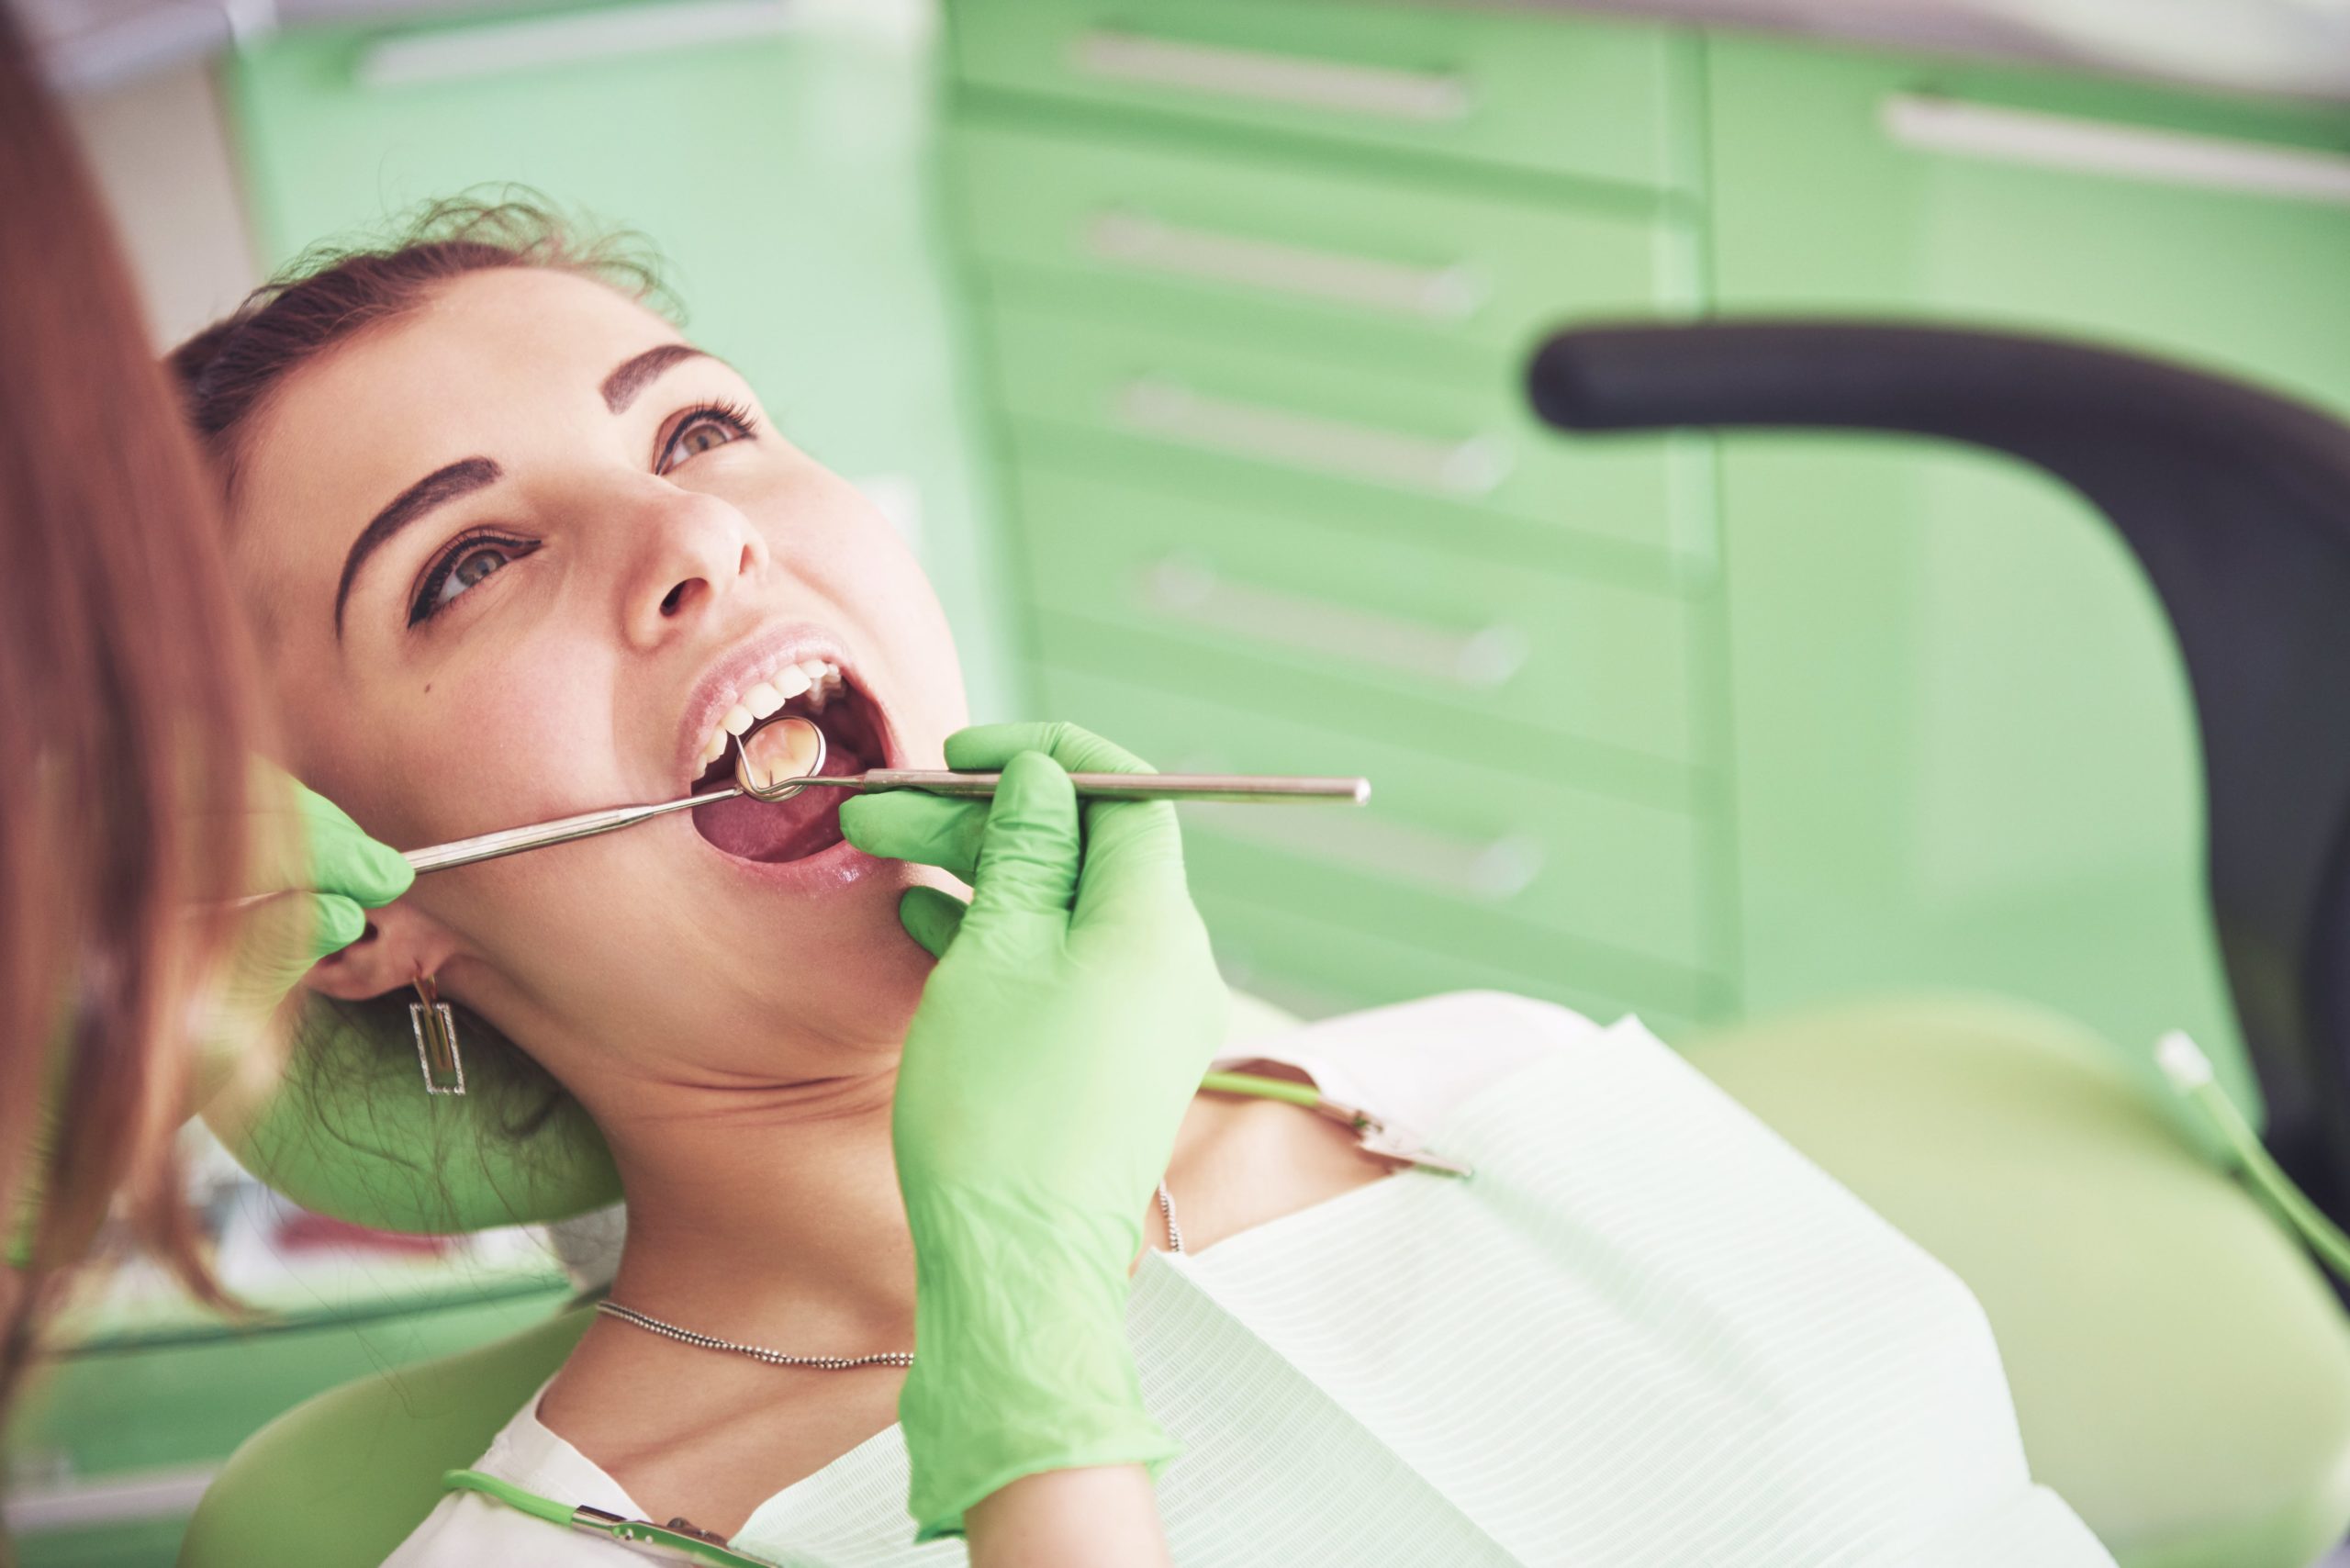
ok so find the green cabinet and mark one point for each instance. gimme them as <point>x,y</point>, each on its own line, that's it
<point>1505,92</point>
<point>1254,283</point>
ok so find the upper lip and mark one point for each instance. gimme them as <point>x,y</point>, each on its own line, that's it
<point>742,665</point>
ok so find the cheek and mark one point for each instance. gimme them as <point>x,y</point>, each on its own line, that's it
<point>466,752</point>
<point>848,549</point>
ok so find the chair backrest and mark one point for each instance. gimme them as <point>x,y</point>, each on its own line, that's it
<point>340,1481</point>
<point>2236,503</point>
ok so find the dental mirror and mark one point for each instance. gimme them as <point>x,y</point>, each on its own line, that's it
<point>776,761</point>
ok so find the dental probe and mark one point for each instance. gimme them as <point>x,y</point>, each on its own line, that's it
<point>809,754</point>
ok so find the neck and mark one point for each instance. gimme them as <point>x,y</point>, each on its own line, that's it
<point>773,1217</point>
<point>769,1215</point>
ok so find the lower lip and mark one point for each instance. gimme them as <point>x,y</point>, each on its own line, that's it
<point>838,867</point>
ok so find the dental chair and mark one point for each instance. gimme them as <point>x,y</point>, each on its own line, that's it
<point>2181,1371</point>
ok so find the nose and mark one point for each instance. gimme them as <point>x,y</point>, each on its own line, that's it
<point>695,550</point>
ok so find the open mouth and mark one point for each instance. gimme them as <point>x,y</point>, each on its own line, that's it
<point>809,822</point>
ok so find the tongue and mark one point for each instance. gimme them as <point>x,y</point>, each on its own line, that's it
<point>786,829</point>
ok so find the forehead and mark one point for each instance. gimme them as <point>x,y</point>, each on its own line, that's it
<point>487,361</point>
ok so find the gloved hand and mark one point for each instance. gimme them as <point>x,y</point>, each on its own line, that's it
<point>340,1124</point>
<point>330,872</point>
<point>1056,1047</point>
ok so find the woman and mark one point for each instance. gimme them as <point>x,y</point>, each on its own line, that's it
<point>127,714</point>
<point>516,548</point>
<point>131,818</point>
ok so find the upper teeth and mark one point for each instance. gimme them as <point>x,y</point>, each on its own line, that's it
<point>817,680</point>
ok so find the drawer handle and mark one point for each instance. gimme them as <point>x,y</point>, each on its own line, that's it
<point>1383,93</point>
<point>537,43</point>
<point>2126,151</point>
<point>1157,406</point>
<point>1135,239</point>
<point>1183,588</point>
<point>1493,870</point>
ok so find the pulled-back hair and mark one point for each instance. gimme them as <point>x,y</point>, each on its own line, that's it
<point>335,292</point>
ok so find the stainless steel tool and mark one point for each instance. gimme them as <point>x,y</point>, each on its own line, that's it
<point>1256,788</point>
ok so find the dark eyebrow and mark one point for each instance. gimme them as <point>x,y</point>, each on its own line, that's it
<point>442,485</point>
<point>636,374</point>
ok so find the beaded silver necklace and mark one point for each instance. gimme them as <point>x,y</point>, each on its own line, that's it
<point>610,1309</point>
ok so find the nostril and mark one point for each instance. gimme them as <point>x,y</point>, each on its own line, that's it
<point>675,599</point>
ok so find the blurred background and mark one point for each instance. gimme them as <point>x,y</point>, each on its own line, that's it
<point>1185,341</point>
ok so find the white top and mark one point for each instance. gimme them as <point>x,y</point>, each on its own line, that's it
<point>1645,1332</point>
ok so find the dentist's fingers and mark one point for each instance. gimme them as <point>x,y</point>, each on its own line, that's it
<point>1132,847</point>
<point>906,825</point>
<point>933,830</point>
<point>1029,854</point>
<point>984,746</point>
<point>344,859</point>
<point>335,923</point>
<point>931,917</point>
<point>302,840</point>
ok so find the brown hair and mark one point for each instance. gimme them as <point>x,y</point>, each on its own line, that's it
<point>124,700</point>
<point>229,372</point>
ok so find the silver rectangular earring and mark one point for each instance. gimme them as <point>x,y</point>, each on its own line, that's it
<point>436,1039</point>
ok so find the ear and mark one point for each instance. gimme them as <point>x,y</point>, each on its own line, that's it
<point>400,943</point>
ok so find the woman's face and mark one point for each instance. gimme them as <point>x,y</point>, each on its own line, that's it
<point>517,554</point>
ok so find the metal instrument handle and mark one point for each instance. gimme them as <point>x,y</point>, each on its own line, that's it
<point>1469,467</point>
<point>1259,788</point>
<point>1296,81</point>
<point>563,829</point>
<point>1092,786</point>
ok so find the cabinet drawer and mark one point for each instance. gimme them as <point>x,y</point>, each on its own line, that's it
<point>1316,971</point>
<point>1539,94</point>
<point>1414,634</point>
<point>1259,421</point>
<point>1451,853</point>
<point>1240,239</point>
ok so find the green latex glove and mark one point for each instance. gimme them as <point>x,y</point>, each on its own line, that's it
<point>1056,1045</point>
<point>343,1125</point>
<point>330,873</point>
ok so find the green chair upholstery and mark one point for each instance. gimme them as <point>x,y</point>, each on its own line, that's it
<point>340,1481</point>
<point>2181,1371</point>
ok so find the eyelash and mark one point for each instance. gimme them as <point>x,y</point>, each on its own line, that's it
<point>733,416</point>
<point>426,603</point>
